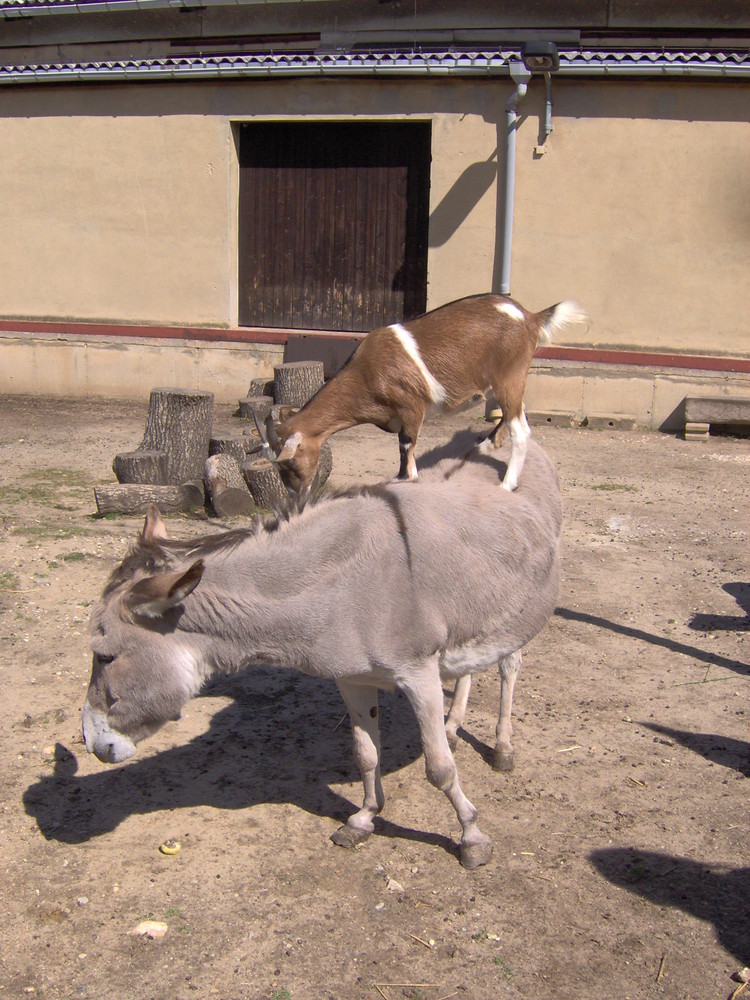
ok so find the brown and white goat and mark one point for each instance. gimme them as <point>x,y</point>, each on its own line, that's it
<point>401,372</point>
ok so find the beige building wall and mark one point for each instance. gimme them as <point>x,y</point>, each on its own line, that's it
<point>119,203</point>
<point>640,208</point>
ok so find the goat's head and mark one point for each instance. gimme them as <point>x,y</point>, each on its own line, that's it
<point>295,453</point>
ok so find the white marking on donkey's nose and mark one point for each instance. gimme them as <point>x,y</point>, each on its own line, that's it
<point>106,743</point>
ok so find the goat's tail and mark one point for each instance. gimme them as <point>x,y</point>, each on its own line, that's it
<point>557,318</point>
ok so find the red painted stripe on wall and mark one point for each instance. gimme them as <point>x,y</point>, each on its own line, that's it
<point>258,335</point>
<point>645,359</point>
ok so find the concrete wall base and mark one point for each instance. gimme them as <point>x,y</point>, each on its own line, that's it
<point>128,368</point>
<point>125,368</point>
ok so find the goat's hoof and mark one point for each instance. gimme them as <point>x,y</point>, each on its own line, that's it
<point>478,854</point>
<point>503,760</point>
<point>347,836</point>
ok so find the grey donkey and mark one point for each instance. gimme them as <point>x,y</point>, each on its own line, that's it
<point>403,585</point>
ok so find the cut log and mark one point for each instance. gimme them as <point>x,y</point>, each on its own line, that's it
<point>297,381</point>
<point>261,387</point>
<point>229,494</point>
<point>325,465</point>
<point>135,498</point>
<point>179,423</point>
<point>259,405</point>
<point>264,482</point>
<point>239,444</point>
<point>141,466</point>
<point>267,487</point>
<point>280,413</point>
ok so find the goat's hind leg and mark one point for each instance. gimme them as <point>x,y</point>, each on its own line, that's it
<point>362,703</point>
<point>425,694</point>
<point>503,757</point>
<point>457,711</point>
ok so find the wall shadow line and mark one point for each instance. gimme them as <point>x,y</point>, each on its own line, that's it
<point>715,659</point>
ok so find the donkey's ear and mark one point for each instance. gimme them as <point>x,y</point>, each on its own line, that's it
<point>155,595</point>
<point>154,528</point>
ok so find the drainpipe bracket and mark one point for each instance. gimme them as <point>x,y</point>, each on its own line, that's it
<point>519,73</point>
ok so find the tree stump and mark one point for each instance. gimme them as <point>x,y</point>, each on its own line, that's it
<point>258,405</point>
<point>141,466</point>
<point>179,423</point>
<point>229,494</point>
<point>261,387</point>
<point>264,482</point>
<point>135,498</point>
<point>297,381</point>
<point>325,465</point>
<point>266,485</point>
<point>239,444</point>
<point>281,413</point>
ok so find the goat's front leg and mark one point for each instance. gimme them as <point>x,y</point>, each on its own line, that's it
<point>503,758</point>
<point>407,442</point>
<point>425,693</point>
<point>362,703</point>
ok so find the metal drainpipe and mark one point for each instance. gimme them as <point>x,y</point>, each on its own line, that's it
<point>521,76</point>
<point>547,104</point>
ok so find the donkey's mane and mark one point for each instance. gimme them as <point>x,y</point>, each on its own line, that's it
<point>149,557</point>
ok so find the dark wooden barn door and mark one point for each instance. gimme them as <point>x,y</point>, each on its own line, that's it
<point>333,224</point>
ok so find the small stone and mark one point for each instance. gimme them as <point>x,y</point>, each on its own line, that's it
<point>380,906</point>
<point>82,900</point>
<point>393,886</point>
<point>149,929</point>
<point>742,975</point>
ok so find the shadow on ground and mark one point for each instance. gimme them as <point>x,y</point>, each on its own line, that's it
<point>283,738</point>
<point>722,750</point>
<point>702,890</point>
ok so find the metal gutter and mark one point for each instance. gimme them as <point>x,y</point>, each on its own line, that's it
<point>17,10</point>
<point>698,65</point>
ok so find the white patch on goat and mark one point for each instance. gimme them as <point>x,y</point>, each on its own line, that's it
<point>292,443</point>
<point>409,344</point>
<point>512,310</point>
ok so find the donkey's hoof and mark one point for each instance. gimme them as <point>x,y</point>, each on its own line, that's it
<point>452,741</point>
<point>476,855</point>
<point>347,836</point>
<point>503,760</point>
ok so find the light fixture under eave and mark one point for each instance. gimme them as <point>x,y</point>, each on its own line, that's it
<point>540,57</point>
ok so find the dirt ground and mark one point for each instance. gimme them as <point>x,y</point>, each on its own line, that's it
<point>621,839</point>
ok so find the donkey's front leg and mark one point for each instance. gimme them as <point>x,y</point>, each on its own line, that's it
<point>425,693</point>
<point>362,703</point>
